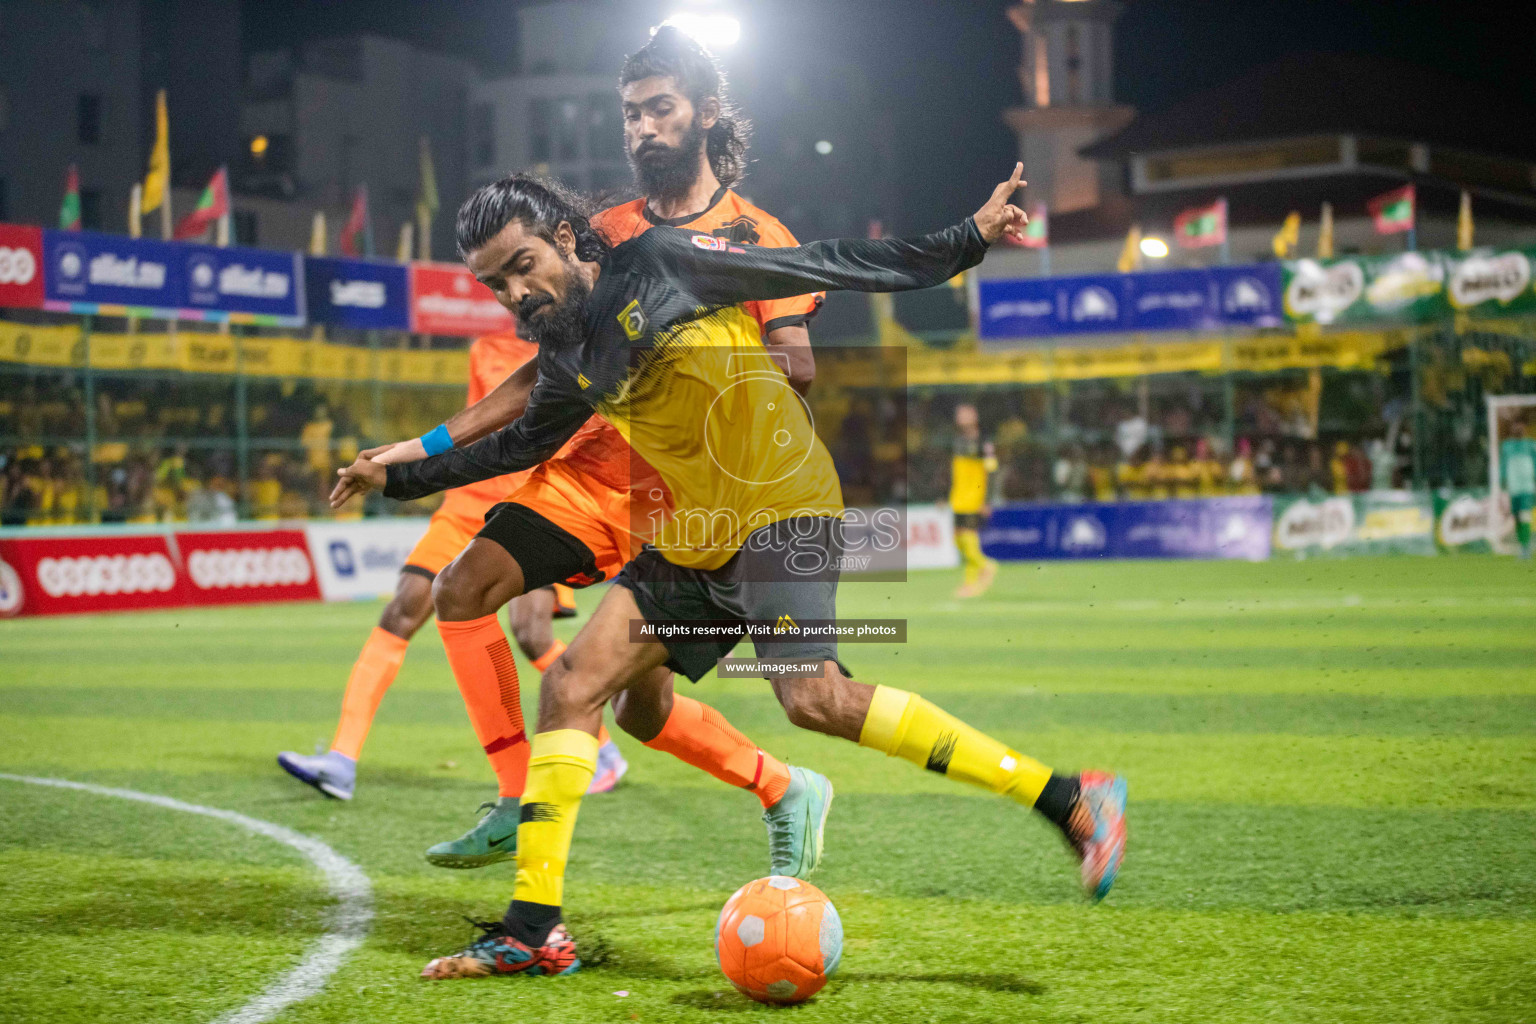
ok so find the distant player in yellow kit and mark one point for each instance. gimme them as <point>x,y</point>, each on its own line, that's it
<point>973,465</point>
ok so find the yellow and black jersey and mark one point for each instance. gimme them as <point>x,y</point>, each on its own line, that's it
<point>971,466</point>
<point>669,357</point>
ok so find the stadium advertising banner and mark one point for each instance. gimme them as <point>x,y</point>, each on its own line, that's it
<point>1373,523</point>
<point>1182,300</point>
<point>362,559</point>
<point>244,566</point>
<point>21,266</point>
<point>446,299</point>
<point>1467,520</point>
<point>364,294</point>
<point>244,285</point>
<point>1410,287</point>
<point>1199,528</point>
<point>60,575</point>
<point>88,272</point>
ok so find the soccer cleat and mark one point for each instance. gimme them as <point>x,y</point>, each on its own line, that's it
<point>611,767</point>
<point>1096,830</point>
<point>796,824</point>
<point>332,773</point>
<point>493,839</point>
<point>496,952</point>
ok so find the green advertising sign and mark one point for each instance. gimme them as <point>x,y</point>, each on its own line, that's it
<point>1465,522</point>
<point>1409,287</point>
<point>1372,523</point>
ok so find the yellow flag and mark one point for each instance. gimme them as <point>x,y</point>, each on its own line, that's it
<point>1289,234</point>
<point>1130,255</point>
<point>1464,222</point>
<point>158,180</point>
<point>427,200</point>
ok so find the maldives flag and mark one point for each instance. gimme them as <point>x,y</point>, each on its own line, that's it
<point>358,223</point>
<point>1201,226</point>
<point>69,209</point>
<point>1393,211</point>
<point>211,205</point>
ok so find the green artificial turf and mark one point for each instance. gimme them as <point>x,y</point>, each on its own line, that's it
<point>1332,771</point>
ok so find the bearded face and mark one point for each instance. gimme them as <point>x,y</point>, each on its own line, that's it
<point>668,171</point>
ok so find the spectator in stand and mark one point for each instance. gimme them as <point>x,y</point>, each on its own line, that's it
<point>267,489</point>
<point>1357,468</point>
<point>1242,476</point>
<point>1101,474</point>
<point>1183,475</point>
<point>1268,468</point>
<point>1155,472</point>
<point>1210,474</point>
<point>1338,467</point>
<point>316,440</point>
<point>1070,475</point>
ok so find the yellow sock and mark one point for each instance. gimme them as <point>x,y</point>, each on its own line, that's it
<point>969,543</point>
<point>905,725</point>
<point>560,767</point>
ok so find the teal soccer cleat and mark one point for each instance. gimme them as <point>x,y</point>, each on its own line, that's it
<point>494,839</point>
<point>1096,830</point>
<point>797,822</point>
<point>332,773</point>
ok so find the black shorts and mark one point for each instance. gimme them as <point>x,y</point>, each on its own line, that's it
<point>546,552</point>
<point>788,568</point>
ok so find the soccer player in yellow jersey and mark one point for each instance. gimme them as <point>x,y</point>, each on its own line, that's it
<point>650,335</point>
<point>971,468</point>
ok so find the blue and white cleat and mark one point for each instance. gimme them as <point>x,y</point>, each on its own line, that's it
<point>611,767</point>
<point>797,823</point>
<point>332,773</point>
<point>1096,830</point>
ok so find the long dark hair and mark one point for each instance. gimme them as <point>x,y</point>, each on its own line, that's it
<point>539,203</point>
<point>674,54</point>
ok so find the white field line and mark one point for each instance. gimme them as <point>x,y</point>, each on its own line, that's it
<point>348,920</point>
<point>1206,606</point>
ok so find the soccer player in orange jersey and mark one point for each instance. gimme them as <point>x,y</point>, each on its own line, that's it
<point>492,359</point>
<point>579,517</point>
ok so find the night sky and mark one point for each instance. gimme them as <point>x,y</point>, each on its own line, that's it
<point>910,91</point>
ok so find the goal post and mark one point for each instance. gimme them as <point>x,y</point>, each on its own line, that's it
<point>1503,412</point>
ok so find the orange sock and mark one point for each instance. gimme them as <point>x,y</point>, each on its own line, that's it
<point>482,664</point>
<point>372,673</point>
<point>542,663</point>
<point>700,735</point>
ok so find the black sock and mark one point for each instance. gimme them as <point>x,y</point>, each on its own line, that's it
<point>1057,798</point>
<point>531,923</point>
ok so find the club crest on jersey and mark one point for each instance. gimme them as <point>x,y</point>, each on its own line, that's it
<point>711,243</point>
<point>632,319</point>
<point>582,380</point>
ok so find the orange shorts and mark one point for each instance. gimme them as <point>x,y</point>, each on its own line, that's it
<point>451,528</point>
<point>606,520</point>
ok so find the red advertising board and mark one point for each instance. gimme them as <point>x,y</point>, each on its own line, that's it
<point>446,299</point>
<point>21,266</point>
<point>58,575</point>
<point>241,567</point>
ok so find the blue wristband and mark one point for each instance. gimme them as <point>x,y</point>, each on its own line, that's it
<point>436,441</point>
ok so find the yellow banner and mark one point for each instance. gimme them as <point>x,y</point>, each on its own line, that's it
<point>302,357</point>
<point>223,353</point>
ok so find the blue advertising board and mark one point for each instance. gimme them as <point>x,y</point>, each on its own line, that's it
<point>1197,528</point>
<point>85,270</point>
<point>358,293</point>
<point>255,284</point>
<point>1168,300</point>
<point>91,272</point>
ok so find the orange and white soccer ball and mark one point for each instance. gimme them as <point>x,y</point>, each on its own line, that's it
<point>779,939</point>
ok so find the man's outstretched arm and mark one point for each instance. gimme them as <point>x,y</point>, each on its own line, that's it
<point>718,272</point>
<point>552,417</point>
<point>505,403</point>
